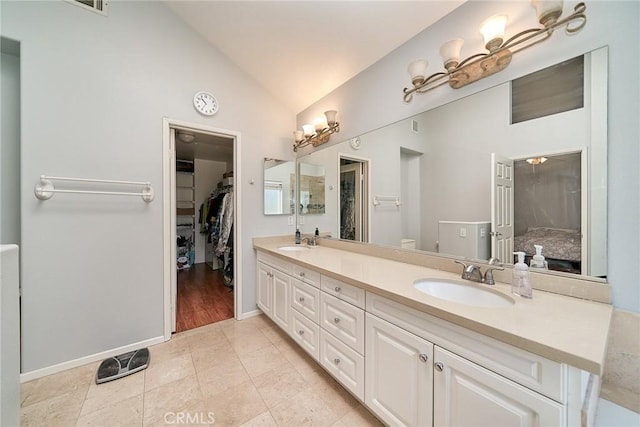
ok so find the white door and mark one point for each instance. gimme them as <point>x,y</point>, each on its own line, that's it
<point>264,288</point>
<point>466,394</point>
<point>281,308</point>
<point>398,374</point>
<point>501,208</point>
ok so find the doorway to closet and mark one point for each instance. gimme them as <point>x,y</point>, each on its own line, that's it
<point>203,199</point>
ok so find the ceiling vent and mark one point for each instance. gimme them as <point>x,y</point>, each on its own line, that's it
<point>98,6</point>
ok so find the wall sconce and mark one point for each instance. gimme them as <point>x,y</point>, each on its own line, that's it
<point>461,73</point>
<point>318,133</point>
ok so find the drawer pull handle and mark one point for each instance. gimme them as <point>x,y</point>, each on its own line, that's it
<point>336,320</point>
<point>337,289</point>
<point>423,357</point>
<point>336,360</point>
<point>439,366</point>
<point>301,299</point>
<point>302,274</point>
<point>301,332</point>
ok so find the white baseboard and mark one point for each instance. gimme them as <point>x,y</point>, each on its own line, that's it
<point>256,312</point>
<point>38,373</point>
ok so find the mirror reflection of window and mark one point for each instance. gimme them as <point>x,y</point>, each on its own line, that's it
<point>279,186</point>
<point>273,198</point>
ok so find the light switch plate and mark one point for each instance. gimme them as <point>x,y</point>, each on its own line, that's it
<point>463,232</point>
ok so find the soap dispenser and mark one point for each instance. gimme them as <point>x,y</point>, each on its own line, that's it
<point>317,232</point>
<point>521,285</point>
<point>538,260</point>
<point>298,236</point>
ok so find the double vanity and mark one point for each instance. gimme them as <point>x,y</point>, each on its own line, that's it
<point>420,346</point>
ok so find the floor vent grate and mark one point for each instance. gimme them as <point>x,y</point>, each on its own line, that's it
<point>122,365</point>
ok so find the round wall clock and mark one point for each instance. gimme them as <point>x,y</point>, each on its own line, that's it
<point>205,103</point>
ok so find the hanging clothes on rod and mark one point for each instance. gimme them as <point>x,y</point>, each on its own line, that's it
<point>219,220</point>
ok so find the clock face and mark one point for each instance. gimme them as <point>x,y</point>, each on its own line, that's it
<point>205,103</point>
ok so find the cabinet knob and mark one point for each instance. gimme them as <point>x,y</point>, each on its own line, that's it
<point>301,299</point>
<point>302,274</point>
<point>337,289</point>
<point>301,332</point>
<point>423,357</point>
<point>336,320</point>
<point>336,360</point>
<point>439,366</point>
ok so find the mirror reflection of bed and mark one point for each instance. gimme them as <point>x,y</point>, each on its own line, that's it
<point>548,209</point>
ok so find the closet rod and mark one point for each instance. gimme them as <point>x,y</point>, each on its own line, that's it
<point>44,189</point>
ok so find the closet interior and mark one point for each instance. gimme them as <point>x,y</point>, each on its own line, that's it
<point>204,229</point>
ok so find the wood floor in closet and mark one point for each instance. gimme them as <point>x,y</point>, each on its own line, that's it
<point>202,298</point>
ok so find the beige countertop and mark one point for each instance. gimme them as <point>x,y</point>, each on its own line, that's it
<point>564,329</point>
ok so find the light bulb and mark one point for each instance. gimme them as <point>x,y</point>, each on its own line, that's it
<point>417,71</point>
<point>450,53</point>
<point>493,31</point>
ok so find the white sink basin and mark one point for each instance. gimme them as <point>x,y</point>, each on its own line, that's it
<point>463,293</point>
<point>296,248</point>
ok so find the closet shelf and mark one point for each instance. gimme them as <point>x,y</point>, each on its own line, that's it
<point>185,211</point>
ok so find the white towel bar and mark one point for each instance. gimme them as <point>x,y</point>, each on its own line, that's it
<point>377,200</point>
<point>44,189</point>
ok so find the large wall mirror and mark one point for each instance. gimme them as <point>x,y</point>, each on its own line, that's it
<point>466,179</point>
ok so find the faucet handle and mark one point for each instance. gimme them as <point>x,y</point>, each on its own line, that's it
<point>488,275</point>
<point>465,266</point>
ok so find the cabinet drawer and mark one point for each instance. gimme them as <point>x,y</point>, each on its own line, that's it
<point>306,299</point>
<point>275,262</point>
<point>308,276</point>
<point>343,321</point>
<point>343,363</point>
<point>306,334</point>
<point>532,371</point>
<point>349,293</point>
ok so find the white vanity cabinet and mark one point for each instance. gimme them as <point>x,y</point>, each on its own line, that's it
<point>465,394</point>
<point>274,290</point>
<point>398,374</point>
<point>411,368</point>
<point>265,288</point>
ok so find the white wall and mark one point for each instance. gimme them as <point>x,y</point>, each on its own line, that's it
<point>95,92</point>
<point>374,99</point>
<point>207,175</point>
<point>10,149</point>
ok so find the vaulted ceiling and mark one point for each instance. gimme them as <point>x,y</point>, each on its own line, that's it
<point>302,50</point>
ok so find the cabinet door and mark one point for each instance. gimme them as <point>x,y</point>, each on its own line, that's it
<point>398,374</point>
<point>466,394</point>
<point>264,288</point>
<point>281,309</point>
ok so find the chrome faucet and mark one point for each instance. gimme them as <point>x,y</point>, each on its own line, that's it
<point>311,241</point>
<point>474,273</point>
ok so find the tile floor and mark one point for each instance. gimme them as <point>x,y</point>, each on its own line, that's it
<point>228,373</point>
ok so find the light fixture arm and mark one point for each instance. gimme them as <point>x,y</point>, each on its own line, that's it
<point>317,138</point>
<point>481,65</point>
